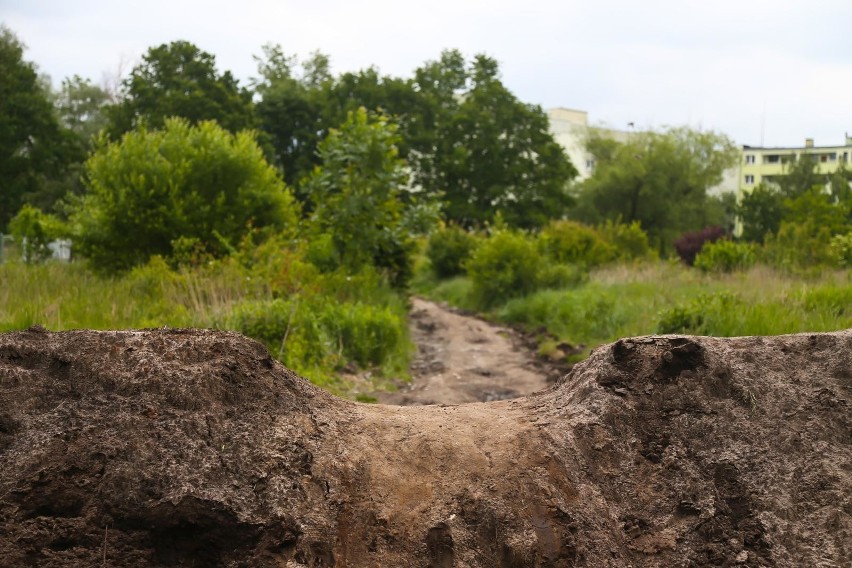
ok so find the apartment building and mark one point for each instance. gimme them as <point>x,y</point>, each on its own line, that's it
<point>764,165</point>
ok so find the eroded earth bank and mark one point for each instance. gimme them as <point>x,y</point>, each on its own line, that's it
<point>196,448</point>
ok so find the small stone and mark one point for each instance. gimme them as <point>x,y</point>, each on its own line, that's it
<point>742,557</point>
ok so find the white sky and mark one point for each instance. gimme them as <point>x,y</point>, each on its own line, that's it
<point>777,70</point>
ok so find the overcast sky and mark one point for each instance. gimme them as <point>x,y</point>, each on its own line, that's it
<point>772,71</point>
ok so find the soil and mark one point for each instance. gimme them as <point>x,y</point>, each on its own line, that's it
<point>195,448</point>
<point>461,359</point>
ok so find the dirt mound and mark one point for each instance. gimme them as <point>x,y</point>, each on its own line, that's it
<point>194,448</point>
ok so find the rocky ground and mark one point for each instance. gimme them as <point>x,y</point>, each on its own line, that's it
<point>195,448</point>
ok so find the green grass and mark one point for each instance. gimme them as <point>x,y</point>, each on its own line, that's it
<point>647,298</point>
<point>327,322</point>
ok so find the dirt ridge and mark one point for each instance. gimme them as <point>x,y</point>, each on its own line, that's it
<point>196,448</point>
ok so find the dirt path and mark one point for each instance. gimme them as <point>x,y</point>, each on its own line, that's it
<point>464,359</point>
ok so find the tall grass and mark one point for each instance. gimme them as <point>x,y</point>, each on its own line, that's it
<point>316,326</point>
<point>661,297</point>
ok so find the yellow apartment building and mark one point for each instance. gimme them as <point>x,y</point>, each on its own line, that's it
<point>765,165</point>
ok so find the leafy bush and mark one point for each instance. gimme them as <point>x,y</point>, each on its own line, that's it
<point>630,241</point>
<point>448,249</point>
<point>688,245</point>
<point>457,291</point>
<point>799,246</point>
<point>570,242</point>
<point>506,265</point>
<point>367,335</point>
<point>180,186</point>
<point>725,256</point>
<point>559,276</point>
<point>840,249</point>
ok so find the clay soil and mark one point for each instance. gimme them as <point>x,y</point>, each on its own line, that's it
<point>195,448</point>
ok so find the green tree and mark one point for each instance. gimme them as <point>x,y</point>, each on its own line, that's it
<point>800,175</point>
<point>300,102</point>
<point>817,207</point>
<point>466,138</point>
<point>157,191</point>
<point>358,197</point>
<point>290,109</point>
<point>82,108</point>
<point>484,151</point>
<point>804,238</point>
<point>33,146</point>
<point>659,179</point>
<point>840,184</point>
<point>761,211</point>
<point>178,79</point>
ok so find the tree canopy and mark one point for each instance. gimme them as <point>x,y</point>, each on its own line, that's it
<point>82,108</point>
<point>33,146</point>
<point>464,135</point>
<point>482,150</point>
<point>179,79</point>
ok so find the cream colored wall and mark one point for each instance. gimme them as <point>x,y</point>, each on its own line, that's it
<point>570,128</point>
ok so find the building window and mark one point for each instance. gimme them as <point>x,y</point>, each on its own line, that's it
<point>749,159</point>
<point>749,180</point>
<point>590,165</point>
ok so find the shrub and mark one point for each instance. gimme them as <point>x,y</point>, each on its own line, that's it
<point>725,256</point>
<point>558,276</point>
<point>840,249</point>
<point>290,329</point>
<point>456,291</point>
<point>367,335</point>
<point>506,265</point>
<point>448,249</point>
<point>630,241</point>
<point>179,187</point>
<point>575,243</point>
<point>688,245</point>
<point>799,245</point>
